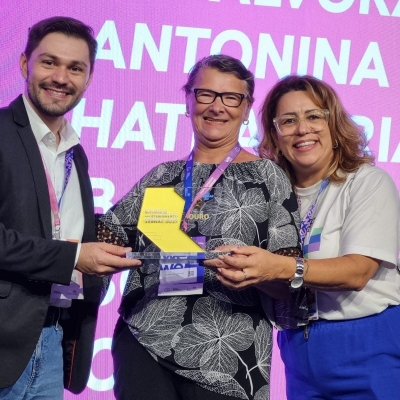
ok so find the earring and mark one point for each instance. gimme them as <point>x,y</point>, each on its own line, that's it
<point>246,122</point>
<point>187,114</point>
<point>336,145</point>
<point>280,154</point>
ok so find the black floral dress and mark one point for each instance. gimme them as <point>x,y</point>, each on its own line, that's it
<point>221,339</point>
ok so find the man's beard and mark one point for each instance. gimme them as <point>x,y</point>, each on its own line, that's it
<point>54,109</point>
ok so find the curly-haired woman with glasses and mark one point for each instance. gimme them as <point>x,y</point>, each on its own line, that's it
<point>348,347</point>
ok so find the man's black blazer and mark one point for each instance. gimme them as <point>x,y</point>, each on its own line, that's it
<point>30,261</point>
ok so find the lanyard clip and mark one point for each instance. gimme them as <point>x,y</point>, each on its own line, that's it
<point>306,332</point>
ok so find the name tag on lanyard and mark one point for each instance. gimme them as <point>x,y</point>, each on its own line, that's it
<point>181,278</point>
<point>187,277</point>
<point>75,289</point>
<point>305,229</point>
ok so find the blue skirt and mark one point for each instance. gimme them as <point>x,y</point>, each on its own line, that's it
<point>353,359</point>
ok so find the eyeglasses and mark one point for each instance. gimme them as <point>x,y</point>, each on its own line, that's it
<point>230,99</point>
<point>315,120</point>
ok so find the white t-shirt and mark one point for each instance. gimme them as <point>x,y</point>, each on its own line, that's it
<point>359,216</point>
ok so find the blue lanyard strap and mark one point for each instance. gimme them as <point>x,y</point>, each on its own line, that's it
<point>307,221</point>
<point>210,182</point>
<point>69,157</point>
<point>54,204</point>
<point>187,183</point>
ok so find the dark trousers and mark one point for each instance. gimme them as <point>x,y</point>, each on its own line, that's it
<point>138,376</point>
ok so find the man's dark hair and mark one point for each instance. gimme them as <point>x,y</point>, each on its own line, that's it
<point>65,25</point>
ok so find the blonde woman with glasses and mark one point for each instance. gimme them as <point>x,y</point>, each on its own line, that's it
<point>347,346</point>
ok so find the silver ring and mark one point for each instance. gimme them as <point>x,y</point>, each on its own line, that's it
<point>245,275</point>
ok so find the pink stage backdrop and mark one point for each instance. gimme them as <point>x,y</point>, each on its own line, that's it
<point>132,116</point>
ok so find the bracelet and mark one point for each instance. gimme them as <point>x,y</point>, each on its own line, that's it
<point>306,266</point>
<point>298,279</point>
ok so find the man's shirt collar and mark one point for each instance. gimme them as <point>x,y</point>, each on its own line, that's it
<point>42,133</point>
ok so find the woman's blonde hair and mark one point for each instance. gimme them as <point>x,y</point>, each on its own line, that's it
<point>348,139</point>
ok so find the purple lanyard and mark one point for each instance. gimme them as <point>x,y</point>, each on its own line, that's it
<point>307,221</point>
<point>210,182</point>
<point>54,204</point>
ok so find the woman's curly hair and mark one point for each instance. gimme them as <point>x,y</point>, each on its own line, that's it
<point>348,138</point>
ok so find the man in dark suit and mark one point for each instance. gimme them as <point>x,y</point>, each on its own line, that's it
<point>47,229</point>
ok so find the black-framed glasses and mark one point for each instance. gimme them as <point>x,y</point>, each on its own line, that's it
<point>230,99</point>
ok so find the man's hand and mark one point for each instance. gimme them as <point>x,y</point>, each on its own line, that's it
<point>103,259</point>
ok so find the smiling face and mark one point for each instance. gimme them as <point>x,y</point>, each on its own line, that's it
<point>57,74</point>
<point>310,153</point>
<point>216,125</point>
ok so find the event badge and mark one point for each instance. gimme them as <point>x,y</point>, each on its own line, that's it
<point>73,291</point>
<point>180,276</point>
<point>160,220</point>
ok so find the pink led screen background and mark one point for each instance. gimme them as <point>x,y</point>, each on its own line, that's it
<point>132,116</point>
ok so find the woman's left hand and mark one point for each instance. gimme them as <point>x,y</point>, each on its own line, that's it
<point>248,266</point>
